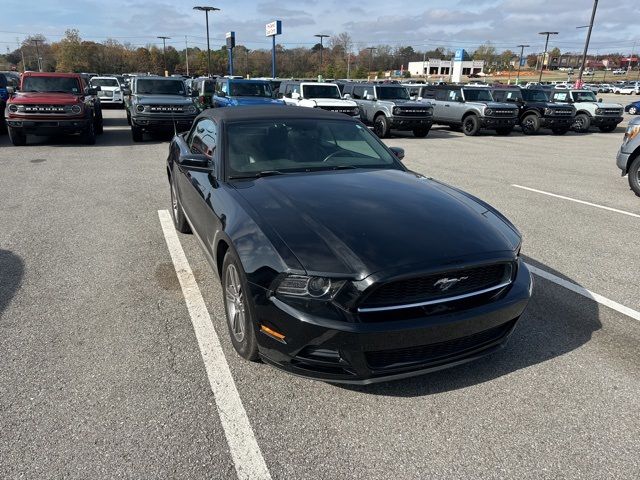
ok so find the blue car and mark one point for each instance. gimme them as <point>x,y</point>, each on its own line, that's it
<point>633,108</point>
<point>233,92</point>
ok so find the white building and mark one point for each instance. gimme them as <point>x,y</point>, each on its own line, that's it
<point>444,68</point>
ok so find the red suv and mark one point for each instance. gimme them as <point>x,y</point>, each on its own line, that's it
<point>51,104</point>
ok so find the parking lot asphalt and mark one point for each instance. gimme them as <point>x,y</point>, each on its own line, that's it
<point>101,375</point>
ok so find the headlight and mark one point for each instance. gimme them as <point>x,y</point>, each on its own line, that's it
<point>303,286</point>
<point>599,111</point>
<point>631,133</point>
<point>549,111</point>
<point>14,108</point>
<point>75,108</point>
<point>191,109</point>
<point>488,111</point>
<point>140,108</point>
<point>356,111</point>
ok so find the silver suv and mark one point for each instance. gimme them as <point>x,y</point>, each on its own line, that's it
<point>471,109</point>
<point>628,159</point>
<point>388,106</point>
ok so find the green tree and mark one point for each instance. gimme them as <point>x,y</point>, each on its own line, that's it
<point>71,55</point>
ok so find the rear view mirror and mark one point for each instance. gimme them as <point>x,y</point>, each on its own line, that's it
<point>398,152</point>
<point>194,160</point>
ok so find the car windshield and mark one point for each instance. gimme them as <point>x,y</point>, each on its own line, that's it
<point>250,89</point>
<point>160,87</point>
<point>51,84</point>
<point>477,95</point>
<point>534,96</point>
<point>297,145</point>
<point>320,91</point>
<point>584,97</point>
<point>392,93</point>
<point>512,96</point>
<point>104,82</point>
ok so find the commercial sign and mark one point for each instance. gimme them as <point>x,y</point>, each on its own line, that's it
<point>274,28</point>
<point>460,54</point>
<point>231,39</point>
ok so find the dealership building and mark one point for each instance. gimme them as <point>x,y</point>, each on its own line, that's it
<point>444,68</point>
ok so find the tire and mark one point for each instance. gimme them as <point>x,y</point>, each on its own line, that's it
<point>470,125</point>
<point>634,176</point>
<point>530,124</point>
<point>17,137</point>
<point>177,213</point>
<point>89,135</point>
<point>421,132</point>
<point>582,123</point>
<point>503,132</point>
<point>136,133</point>
<point>633,111</point>
<point>128,118</point>
<point>381,126</point>
<point>560,130</point>
<point>608,128</point>
<point>98,127</point>
<point>238,307</point>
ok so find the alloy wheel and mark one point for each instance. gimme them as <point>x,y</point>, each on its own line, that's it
<point>234,298</point>
<point>633,110</point>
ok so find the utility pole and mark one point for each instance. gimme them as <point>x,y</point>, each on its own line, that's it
<point>206,11</point>
<point>586,43</point>
<point>321,37</point>
<point>544,55</point>
<point>522,47</point>
<point>38,59</point>
<point>164,54</point>
<point>186,54</point>
<point>21,54</point>
<point>371,50</point>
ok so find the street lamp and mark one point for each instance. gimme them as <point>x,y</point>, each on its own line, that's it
<point>321,37</point>
<point>38,58</point>
<point>522,47</point>
<point>164,54</point>
<point>586,43</point>
<point>206,11</point>
<point>544,55</point>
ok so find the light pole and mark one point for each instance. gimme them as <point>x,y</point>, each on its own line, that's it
<point>586,43</point>
<point>522,47</point>
<point>206,11</point>
<point>544,55</point>
<point>164,54</point>
<point>38,59</point>
<point>371,50</point>
<point>321,37</point>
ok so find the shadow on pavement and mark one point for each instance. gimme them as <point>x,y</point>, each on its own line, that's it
<point>11,273</point>
<point>556,322</point>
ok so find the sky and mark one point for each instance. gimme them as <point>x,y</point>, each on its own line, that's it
<point>423,24</point>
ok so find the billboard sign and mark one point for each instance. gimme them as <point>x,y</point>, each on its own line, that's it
<point>274,28</point>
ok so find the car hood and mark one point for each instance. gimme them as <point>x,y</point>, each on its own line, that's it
<point>254,101</point>
<point>333,102</point>
<point>163,100</point>
<point>494,105</point>
<point>361,222</point>
<point>31,98</point>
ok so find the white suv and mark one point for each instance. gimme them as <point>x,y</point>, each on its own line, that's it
<point>590,110</point>
<point>110,90</point>
<point>317,95</point>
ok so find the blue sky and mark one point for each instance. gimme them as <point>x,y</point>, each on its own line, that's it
<point>420,23</point>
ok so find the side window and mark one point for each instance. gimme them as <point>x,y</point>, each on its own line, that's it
<point>358,92</point>
<point>499,96</point>
<point>560,97</point>
<point>204,137</point>
<point>224,87</point>
<point>441,94</point>
<point>453,95</point>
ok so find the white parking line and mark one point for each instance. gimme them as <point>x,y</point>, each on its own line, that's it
<point>585,293</point>
<point>245,452</point>
<point>577,201</point>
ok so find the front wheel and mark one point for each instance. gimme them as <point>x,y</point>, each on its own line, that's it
<point>239,308</point>
<point>421,132</point>
<point>471,125</point>
<point>136,133</point>
<point>634,176</point>
<point>582,123</point>
<point>177,213</point>
<point>633,110</point>
<point>381,126</point>
<point>530,124</point>
<point>89,135</point>
<point>17,137</point>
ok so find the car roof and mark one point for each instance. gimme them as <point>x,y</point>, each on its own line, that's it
<point>158,77</point>
<point>51,74</point>
<point>270,112</point>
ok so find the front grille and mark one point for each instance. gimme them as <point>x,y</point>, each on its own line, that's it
<point>504,112</point>
<point>611,111</point>
<point>166,108</point>
<point>412,112</point>
<point>48,109</point>
<point>562,111</point>
<point>434,286</point>
<point>436,352</point>
<point>352,111</point>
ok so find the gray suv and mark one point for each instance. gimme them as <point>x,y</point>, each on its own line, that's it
<point>628,159</point>
<point>471,109</point>
<point>159,104</point>
<point>388,106</point>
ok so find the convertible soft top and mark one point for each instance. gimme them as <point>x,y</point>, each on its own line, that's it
<point>261,112</point>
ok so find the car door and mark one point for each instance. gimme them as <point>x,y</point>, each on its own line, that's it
<point>357,96</point>
<point>452,104</point>
<point>198,187</point>
<point>438,100</point>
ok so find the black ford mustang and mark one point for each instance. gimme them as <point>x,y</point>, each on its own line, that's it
<point>336,261</point>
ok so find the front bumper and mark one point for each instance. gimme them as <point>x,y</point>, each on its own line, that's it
<point>605,121</point>
<point>622,161</point>
<point>553,122</point>
<point>112,100</point>
<point>409,123</point>
<point>50,126</point>
<point>497,122</point>
<point>363,353</point>
<point>163,122</point>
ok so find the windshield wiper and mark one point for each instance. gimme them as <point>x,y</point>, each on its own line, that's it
<point>266,173</point>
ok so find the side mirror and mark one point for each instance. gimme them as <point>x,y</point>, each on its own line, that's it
<point>347,96</point>
<point>599,100</point>
<point>194,160</point>
<point>413,97</point>
<point>295,96</point>
<point>92,91</point>
<point>398,152</point>
<point>11,90</point>
<point>370,97</point>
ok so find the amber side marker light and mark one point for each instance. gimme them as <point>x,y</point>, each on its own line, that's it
<point>272,333</point>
